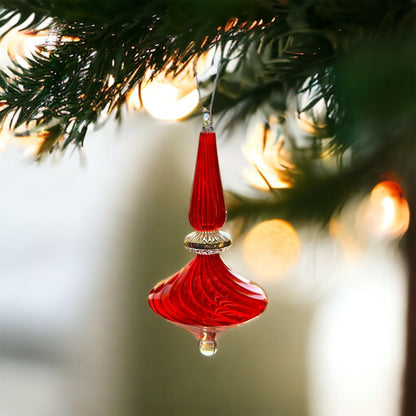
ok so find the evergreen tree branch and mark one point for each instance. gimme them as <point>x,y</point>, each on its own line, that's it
<point>282,43</point>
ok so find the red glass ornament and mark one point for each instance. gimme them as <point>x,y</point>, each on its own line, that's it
<point>207,208</point>
<point>207,293</point>
<point>207,297</point>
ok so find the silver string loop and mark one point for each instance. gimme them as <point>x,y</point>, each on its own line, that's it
<point>207,124</point>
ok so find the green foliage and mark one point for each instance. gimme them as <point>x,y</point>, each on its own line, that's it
<point>120,42</point>
<point>378,126</point>
<point>358,57</point>
<point>124,40</point>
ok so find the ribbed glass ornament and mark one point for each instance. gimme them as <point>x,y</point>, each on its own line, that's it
<point>206,297</point>
<point>207,293</point>
<point>207,208</point>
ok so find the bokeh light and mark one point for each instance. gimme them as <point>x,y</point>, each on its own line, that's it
<point>268,159</point>
<point>385,212</point>
<point>17,48</point>
<point>133,99</point>
<point>167,97</point>
<point>271,248</point>
<point>31,140</point>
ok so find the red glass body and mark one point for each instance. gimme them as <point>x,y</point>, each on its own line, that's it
<point>206,296</point>
<point>207,293</point>
<point>207,208</point>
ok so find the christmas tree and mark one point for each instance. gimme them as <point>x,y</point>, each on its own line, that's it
<point>337,78</point>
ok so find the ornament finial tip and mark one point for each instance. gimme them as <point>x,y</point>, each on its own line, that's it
<point>208,347</point>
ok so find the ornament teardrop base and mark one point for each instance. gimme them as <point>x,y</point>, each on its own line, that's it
<point>206,297</point>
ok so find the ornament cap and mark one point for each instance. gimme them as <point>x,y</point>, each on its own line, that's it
<point>207,124</point>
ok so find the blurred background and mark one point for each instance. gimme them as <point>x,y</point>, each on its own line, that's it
<point>85,236</point>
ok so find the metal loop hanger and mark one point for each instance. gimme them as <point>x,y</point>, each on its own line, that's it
<point>207,124</point>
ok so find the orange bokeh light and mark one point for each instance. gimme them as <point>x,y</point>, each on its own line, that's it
<point>385,212</point>
<point>271,248</point>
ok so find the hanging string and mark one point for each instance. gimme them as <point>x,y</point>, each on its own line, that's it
<point>198,85</point>
<point>220,65</point>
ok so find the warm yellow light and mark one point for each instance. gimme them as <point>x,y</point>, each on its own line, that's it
<point>32,143</point>
<point>25,135</point>
<point>167,97</point>
<point>166,102</point>
<point>6,133</point>
<point>17,46</point>
<point>385,212</point>
<point>111,80</point>
<point>133,99</point>
<point>271,248</point>
<point>393,210</point>
<point>389,213</point>
<point>24,44</point>
<point>30,138</point>
<point>233,22</point>
<point>310,127</point>
<point>268,160</point>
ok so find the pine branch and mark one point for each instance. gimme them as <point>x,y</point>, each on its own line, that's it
<point>278,46</point>
<point>378,128</point>
<point>72,82</point>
